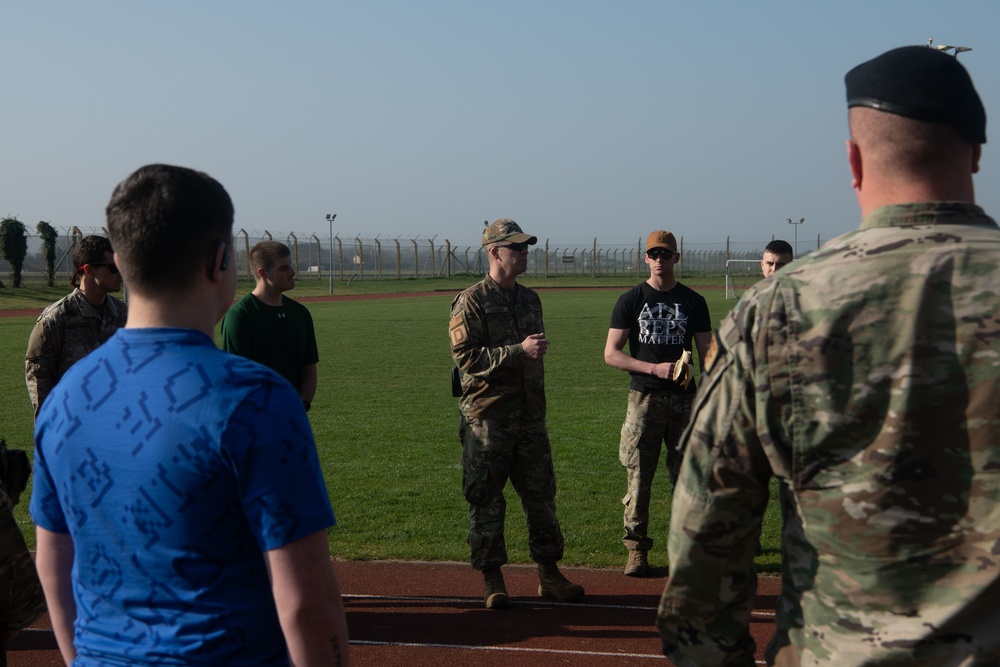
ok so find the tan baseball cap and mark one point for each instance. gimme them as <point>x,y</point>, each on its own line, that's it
<point>506,229</point>
<point>661,239</point>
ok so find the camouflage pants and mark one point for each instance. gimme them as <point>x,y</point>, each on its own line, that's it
<point>21,600</point>
<point>492,452</point>
<point>653,419</point>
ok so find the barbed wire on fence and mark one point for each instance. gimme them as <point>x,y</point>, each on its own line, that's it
<point>357,257</point>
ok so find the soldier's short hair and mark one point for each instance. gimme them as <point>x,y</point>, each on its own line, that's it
<point>266,254</point>
<point>91,250</point>
<point>779,247</point>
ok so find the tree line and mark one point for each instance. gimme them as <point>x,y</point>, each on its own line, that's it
<point>14,247</point>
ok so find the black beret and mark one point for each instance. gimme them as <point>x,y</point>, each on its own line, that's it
<point>920,83</point>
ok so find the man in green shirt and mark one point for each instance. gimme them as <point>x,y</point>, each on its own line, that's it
<point>270,328</point>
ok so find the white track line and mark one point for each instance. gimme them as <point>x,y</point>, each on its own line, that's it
<point>463,647</point>
<point>758,615</point>
<point>477,602</point>
<point>510,649</point>
<point>516,649</point>
<point>755,615</point>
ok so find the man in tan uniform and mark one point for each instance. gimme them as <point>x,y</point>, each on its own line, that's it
<point>497,342</point>
<point>73,327</point>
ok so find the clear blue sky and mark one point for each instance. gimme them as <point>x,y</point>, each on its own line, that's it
<point>578,119</point>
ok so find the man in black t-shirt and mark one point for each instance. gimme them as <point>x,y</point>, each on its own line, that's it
<point>659,318</point>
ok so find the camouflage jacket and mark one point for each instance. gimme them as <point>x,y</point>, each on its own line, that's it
<point>866,378</point>
<point>487,326</point>
<point>65,332</point>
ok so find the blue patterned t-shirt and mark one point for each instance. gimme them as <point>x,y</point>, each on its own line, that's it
<point>173,465</point>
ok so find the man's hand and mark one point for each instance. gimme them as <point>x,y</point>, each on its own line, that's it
<point>535,346</point>
<point>664,371</point>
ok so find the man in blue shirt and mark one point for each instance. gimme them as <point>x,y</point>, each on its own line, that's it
<point>181,509</point>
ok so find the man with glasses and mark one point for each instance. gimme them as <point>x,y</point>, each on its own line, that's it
<point>497,342</point>
<point>659,319</point>
<point>75,325</point>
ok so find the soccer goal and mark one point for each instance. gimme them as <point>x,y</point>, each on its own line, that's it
<point>741,274</point>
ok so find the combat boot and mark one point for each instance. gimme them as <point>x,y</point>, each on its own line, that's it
<point>494,591</point>
<point>554,585</point>
<point>638,564</point>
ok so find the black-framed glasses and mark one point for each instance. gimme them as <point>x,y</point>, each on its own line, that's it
<point>516,247</point>
<point>112,267</point>
<point>659,253</point>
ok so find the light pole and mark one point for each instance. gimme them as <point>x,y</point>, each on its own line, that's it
<point>791,222</point>
<point>330,219</point>
<point>945,48</point>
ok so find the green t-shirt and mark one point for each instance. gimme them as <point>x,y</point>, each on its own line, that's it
<point>280,337</point>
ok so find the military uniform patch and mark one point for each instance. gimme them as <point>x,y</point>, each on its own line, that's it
<point>458,331</point>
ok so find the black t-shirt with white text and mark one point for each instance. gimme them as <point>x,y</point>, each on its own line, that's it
<point>661,326</point>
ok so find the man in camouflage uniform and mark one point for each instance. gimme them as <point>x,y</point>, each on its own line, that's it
<point>75,325</point>
<point>660,319</point>
<point>865,378</point>
<point>498,341</point>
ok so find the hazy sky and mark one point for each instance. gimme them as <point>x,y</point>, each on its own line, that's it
<point>578,119</point>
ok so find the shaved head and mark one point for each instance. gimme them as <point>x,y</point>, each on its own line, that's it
<point>900,147</point>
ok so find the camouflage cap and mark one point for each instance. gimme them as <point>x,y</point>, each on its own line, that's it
<point>506,229</point>
<point>661,239</point>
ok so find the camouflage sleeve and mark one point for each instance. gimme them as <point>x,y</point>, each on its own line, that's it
<point>715,521</point>
<point>41,360</point>
<point>470,345</point>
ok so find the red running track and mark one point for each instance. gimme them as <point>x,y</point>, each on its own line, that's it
<point>417,614</point>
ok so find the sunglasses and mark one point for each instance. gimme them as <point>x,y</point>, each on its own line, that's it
<point>516,247</point>
<point>112,267</point>
<point>659,253</point>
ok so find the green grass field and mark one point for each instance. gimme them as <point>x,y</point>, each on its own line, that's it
<point>386,423</point>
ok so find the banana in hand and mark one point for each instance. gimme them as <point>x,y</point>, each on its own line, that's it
<point>683,370</point>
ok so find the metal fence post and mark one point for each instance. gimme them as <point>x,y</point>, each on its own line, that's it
<point>361,257</point>
<point>340,254</point>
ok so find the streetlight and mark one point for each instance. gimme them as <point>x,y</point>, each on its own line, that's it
<point>330,219</point>
<point>801,220</point>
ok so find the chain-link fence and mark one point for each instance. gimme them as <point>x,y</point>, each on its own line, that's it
<point>374,258</point>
